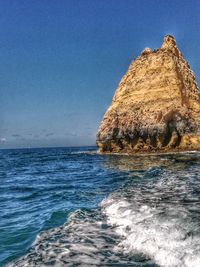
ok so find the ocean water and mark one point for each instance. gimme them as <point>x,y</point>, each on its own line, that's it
<point>73,207</point>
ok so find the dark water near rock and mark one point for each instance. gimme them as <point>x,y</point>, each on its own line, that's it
<point>73,207</point>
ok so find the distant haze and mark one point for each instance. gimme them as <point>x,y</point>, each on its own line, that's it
<point>61,61</point>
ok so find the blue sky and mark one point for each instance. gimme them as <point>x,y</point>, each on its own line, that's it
<point>61,61</point>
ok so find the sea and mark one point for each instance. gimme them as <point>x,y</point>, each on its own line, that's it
<point>75,207</point>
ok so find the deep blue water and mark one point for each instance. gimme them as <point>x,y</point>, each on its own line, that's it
<point>73,207</point>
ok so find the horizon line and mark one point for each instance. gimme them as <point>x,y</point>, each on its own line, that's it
<point>18,148</point>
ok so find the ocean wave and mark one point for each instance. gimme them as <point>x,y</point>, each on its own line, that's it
<point>157,221</point>
<point>84,240</point>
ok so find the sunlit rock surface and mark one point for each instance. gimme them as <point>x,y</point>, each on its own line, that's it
<point>156,106</point>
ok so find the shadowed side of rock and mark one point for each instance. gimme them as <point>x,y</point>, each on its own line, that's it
<point>156,106</point>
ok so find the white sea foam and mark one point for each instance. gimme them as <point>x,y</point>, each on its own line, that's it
<point>163,231</point>
<point>82,241</point>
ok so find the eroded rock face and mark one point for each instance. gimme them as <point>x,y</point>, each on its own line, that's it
<point>156,106</point>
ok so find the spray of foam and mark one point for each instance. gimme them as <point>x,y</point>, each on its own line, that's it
<point>164,231</point>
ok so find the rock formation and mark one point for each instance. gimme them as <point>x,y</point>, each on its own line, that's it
<point>156,106</point>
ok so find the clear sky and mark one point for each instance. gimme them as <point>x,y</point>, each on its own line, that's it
<point>61,61</point>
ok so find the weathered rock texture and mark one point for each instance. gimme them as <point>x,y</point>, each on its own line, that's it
<point>156,106</point>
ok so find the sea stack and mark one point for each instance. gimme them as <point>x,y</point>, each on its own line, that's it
<point>156,107</point>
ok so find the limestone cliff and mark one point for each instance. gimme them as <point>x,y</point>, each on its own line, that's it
<point>156,106</point>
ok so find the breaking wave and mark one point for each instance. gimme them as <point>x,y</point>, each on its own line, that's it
<point>159,219</point>
<point>85,240</point>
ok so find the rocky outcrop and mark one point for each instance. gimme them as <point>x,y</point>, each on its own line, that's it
<point>156,106</point>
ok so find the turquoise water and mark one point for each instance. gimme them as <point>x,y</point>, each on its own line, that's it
<point>73,207</point>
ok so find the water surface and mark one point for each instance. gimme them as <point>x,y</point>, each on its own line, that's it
<point>73,207</point>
